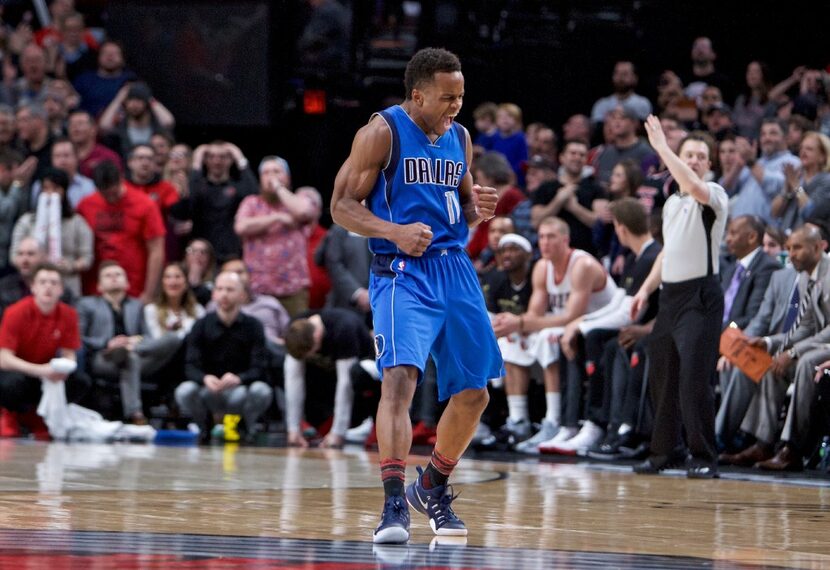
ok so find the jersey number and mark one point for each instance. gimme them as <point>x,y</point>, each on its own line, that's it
<point>453,207</point>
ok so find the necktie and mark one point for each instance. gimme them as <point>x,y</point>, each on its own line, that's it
<point>792,312</point>
<point>732,291</point>
<point>803,307</point>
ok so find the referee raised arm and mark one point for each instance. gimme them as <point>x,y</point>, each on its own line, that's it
<point>683,348</point>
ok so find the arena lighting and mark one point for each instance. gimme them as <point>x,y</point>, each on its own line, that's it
<point>314,102</point>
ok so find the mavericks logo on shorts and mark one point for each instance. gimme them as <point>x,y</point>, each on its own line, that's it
<point>401,265</point>
<point>380,345</point>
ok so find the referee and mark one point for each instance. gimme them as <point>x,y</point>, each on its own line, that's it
<point>683,347</point>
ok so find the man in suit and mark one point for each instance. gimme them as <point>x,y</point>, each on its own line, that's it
<point>776,315</point>
<point>112,331</point>
<point>347,259</point>
<point>797,352</point>
<point>745,282</point>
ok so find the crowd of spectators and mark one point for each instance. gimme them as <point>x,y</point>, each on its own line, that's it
<point>194,277</point>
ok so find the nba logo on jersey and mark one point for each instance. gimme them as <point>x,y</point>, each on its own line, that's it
<point>401,265</point>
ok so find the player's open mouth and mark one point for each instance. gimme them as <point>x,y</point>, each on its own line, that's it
<point>448,121</point>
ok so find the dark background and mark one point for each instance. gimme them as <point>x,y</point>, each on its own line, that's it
<point>228,69</point>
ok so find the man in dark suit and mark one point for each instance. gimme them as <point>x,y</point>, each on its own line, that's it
<point>112,332</point>
<point>797,352</point>
<point>746,280</point>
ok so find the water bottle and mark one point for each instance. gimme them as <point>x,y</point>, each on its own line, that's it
<point>783,257</point>
<point>824,454</point>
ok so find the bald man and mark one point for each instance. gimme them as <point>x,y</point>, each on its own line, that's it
<point>796,354</point>
<point>226,360</point>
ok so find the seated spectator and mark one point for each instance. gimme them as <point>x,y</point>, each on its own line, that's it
<point>134,116</point>
<point>347,259</point>
<point>64,235</point>
<point>176,309</point>
<point>275,247</point>
<point>718,121</point>
<point>200,264</point>
<point>775,244</point>
<point>128,228</point>
<point>490,258</point>
<point>65,158</point>
<point>36,141</point>
<point>34,331</point>
<point>54,103</point>
<point>76,46</point>
<point>509,139</point>
<point>215,194</point>
<point>168,320</point>
<point>492,169</point>
<point>571,198</point>
<point>264,308</point>
<point>8,129</point>
<point>541,143</point>
<point>33,84</point>
<point>99,87</point>
<point>225,362</point>
<point>315,233</point>
<point>753,103</point>
<point>577,128</point>
<point>83,132</point>
<point>773,143</point>
<point>538,171</point>
<point>567,283</point>
<point>143,178</point>
<point>625,182</point>
<point>806,190</point>
<point>624,79</point>
<point>623,123</point>
<point>797,352</point>
<point>750,187</point>
<point>162,143</point>
<point>12,203</point>
<point>797,127</point>
<point>16,285</point>
<point>333,339</point>
<point>113,330</point>
<point>178,167</point>
<point>485,122</point>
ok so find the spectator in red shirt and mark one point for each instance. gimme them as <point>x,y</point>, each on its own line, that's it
<point>83,132</point>
<point>128,229</point>
<point>144,178</point>
<point>315,233</point>
<point>33,331</point>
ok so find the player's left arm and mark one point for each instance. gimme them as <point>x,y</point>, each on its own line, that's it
<point>477,202</point>
<point>585,272</point>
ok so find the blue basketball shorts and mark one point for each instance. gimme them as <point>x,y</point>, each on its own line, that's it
<point>433,305</point>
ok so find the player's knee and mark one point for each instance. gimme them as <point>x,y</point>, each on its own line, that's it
<point>474,400</point>
<point>398,386</point>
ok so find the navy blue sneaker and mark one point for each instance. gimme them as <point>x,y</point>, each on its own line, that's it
<point>394,522</point>
<point>436,504</point>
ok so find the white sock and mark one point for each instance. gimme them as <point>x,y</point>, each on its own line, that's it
<point>623,429</point>
<point>517,405</point>
<point>554,402</point>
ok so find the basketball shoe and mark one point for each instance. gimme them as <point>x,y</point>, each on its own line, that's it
<point>436,504</point>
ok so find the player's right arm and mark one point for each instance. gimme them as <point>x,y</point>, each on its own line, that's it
<point>353,184</point>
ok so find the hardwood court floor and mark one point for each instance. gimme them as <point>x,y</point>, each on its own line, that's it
<point>87,499</point>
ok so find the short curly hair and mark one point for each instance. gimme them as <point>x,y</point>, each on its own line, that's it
<point>425,64</point>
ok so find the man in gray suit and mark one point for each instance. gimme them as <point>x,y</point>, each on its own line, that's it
<point>797,352</point>
<point>112,333</point>
<point>347,260</point>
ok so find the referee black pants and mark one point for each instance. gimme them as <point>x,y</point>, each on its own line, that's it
<point>683,353</point>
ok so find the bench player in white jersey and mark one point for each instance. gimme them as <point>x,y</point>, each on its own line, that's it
<point>567,283</point>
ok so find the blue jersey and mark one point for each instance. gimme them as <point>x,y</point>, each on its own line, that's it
<point>420,183</point>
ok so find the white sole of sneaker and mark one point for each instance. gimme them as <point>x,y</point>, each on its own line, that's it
<point>391,535</point>
<point>447,531</point>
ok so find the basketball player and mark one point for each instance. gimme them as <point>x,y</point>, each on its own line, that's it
<point>410,165</point>
<point>567,283</point>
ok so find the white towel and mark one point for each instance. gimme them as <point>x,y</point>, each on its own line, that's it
<point>48,224</point>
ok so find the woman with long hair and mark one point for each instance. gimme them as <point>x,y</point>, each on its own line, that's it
<point>807,189</point>
<point>64,235</point>
<point>175,309</point>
